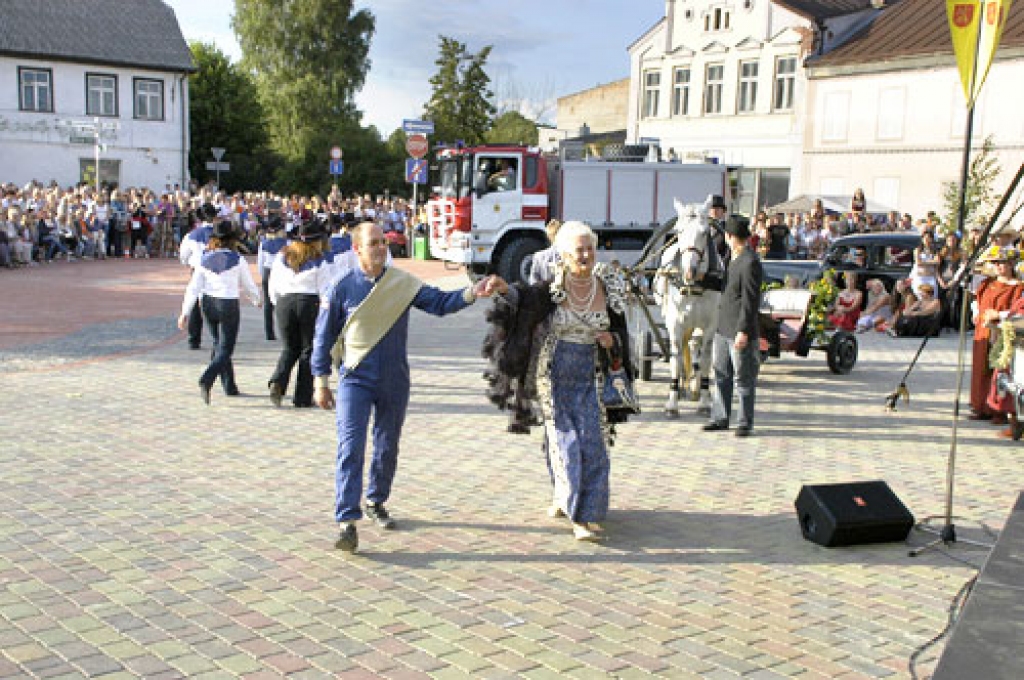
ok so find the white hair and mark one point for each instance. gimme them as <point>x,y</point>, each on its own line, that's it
<point>565,239</point>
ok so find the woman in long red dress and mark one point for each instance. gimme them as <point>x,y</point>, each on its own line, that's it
<point>997,293</point>
<point>1004,403</point>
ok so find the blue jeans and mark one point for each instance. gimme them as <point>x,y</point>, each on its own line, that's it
<point>739,367</point>
<point>222,316</point>
<point>355,402</point>
<point>55,245</point>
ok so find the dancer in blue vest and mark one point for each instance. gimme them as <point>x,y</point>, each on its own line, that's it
<point>190,252</point>
<point>374,369</point>
<point>270,245</point>
<point>216,282</point>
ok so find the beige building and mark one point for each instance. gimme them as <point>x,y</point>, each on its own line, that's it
<point>600,109</point>
<point>723,80</point>
<point>886,110</point>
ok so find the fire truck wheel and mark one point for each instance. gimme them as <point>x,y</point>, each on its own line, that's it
<point>514,258</point>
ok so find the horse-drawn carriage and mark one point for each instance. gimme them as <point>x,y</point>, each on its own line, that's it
<point>674,315</point>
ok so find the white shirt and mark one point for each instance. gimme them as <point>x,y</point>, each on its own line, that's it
<point>220,274</point>
<point>191,250</point>
<point>313,278</point>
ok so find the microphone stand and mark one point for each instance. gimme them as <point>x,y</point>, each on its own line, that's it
<point>946,534</point>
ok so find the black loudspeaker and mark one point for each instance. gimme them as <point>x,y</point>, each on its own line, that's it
<point>852,513</point>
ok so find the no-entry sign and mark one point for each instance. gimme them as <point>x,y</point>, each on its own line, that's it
<point>417,146</point>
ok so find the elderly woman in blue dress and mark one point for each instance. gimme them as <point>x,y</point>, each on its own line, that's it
<point>549,345</point>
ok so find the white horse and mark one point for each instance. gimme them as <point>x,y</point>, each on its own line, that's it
<point>689,310</point>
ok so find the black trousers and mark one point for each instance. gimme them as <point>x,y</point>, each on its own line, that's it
<point>195,325</point>
<point>223,316</point>
<point>296,319</point>
<point>268,306</point>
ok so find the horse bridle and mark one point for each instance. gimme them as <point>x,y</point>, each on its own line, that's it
<point>677,280</point>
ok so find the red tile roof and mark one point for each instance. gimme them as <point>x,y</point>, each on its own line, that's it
<point>910,28</point>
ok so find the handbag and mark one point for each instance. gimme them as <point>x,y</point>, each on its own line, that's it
<point>617,392</point>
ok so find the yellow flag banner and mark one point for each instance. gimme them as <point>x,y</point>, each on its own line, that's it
<point>974,53</point>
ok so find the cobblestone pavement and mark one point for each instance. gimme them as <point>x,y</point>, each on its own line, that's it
<point>144,534</point>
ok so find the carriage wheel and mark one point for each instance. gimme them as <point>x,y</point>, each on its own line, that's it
<point>842,352</point>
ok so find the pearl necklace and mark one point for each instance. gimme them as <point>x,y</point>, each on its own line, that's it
<point>577,304</point>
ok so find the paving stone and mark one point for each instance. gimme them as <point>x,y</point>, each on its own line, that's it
<point>704,574</point>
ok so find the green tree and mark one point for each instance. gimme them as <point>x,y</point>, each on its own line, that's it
<point>309,59</point>
<point>513,127</point>
<point>980,197</point>
<point>460,105</point>
<point>224,111</point>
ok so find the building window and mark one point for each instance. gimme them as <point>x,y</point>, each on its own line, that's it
<point>836,117</point>
<point>716,19</point>
<point>100,94</point>
<point>785,79</point>
<point>110,171</point>
<point>652,86</point>
<point>891,104</point>
<point>713,88</point>
<point>149,99</point>
<point>35,89</point>
<point>681,92</point>
<point>748,87</point>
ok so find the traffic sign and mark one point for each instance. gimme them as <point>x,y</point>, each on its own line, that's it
<point>425,127</point>
<point>336,153</point>
<point>217,166</point>
<point>417,145</point>
<point>218,152</point>
<point>415,170</point>
<point>336,167</point>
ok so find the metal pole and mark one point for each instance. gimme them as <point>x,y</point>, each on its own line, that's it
<point>97,129</point>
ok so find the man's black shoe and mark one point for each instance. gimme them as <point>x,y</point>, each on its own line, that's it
<point>349,538</point>
<point>379,514</point>
<point>744,430</point>
<point>193,346</point>
<point>715,426</point>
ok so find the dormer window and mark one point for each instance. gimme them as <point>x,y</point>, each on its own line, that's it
<point>717,19</point>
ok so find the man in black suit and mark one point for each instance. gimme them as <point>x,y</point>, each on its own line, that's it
<point>736,340</point>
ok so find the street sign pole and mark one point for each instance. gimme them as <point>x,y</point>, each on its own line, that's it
<point>98,130</point>
<point>218,153</point>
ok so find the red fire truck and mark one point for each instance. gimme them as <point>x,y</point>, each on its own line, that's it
<point>492,203</point>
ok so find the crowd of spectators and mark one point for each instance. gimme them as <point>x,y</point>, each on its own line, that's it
<point>40,224</point>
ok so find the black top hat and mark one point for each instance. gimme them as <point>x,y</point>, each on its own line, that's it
<point>313,230</point>
<point>718,202</point>
<point>738,226</point>
<point>224,230</point>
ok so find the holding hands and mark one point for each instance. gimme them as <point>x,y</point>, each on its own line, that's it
<point>489,286</point>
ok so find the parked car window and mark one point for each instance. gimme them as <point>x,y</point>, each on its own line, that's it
<point>895,256</point>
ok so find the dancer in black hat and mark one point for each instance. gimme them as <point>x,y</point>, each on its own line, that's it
<point>216,283</point>
<point>298,277</point>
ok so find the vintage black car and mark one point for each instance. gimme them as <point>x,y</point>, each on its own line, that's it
<point>887,256</point>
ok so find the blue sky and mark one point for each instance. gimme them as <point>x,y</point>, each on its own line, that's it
<point>543,49</point>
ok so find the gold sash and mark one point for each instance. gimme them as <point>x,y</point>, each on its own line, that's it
<point>374,317</point>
